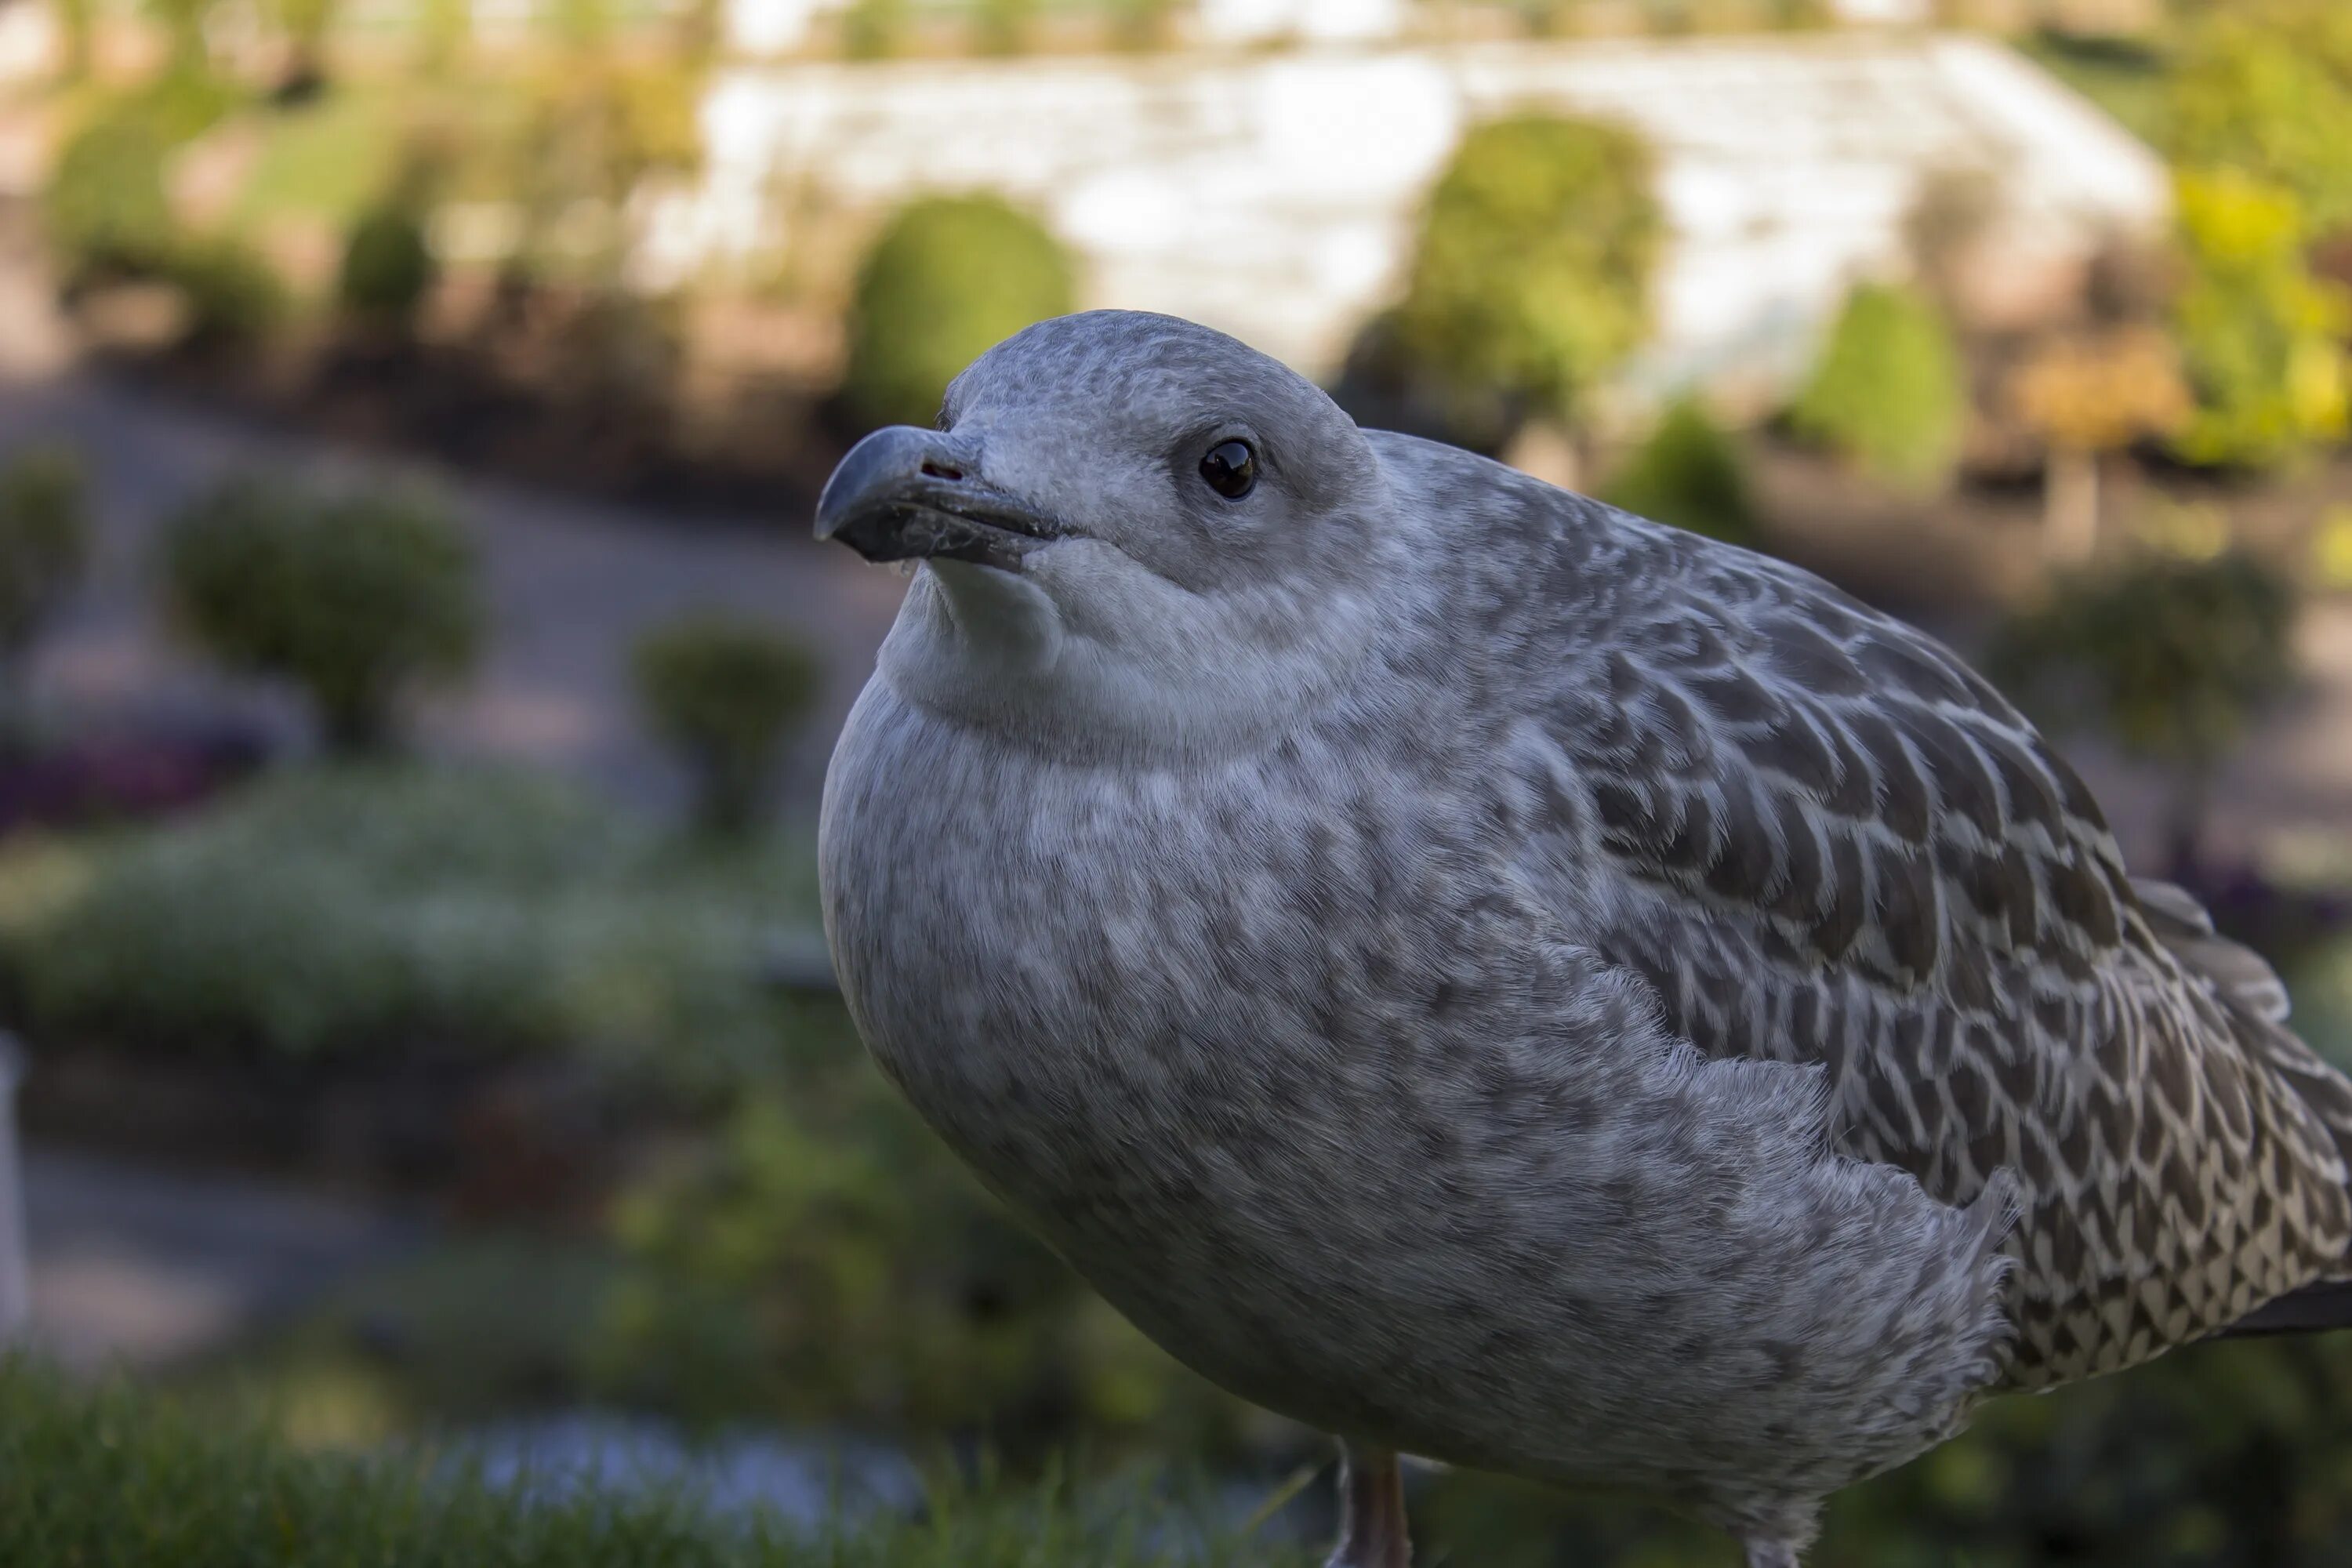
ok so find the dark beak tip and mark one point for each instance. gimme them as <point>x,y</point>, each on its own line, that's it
<point>880,461</point>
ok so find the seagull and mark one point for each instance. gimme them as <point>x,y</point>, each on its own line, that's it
<point>1498,980</point>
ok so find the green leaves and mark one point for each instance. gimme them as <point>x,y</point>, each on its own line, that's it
<point>1886,391</point>
<point>1531,276</point>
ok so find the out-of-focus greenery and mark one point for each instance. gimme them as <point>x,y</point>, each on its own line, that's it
<point>1530,277</point>
<point>1688,473</point>
<point>727,693</point>
<point>234,299</point>
<point>378,908</point>
<point>105,209</point>
<point>828,1260</point>
<point>388,268</point>
<point>2220,1456</point>
<point>2261,337</point>
<point>2172,657</point>
<point>1003,27</point>
<point>2264,87</point>
<point>873,29</point>
<point>947,277</point>
<point>1886,392</point>
<point>112,1477</point>
<point>43,541</point>
<point>358,598</point>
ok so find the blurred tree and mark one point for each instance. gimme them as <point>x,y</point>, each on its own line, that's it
<point>1003,27</point>
<point>2264,87</point>
<point>105,209</point>
<point>233,297</point>
<point>947,277</point>
<point>1886,391</point>
<point>43,550</point>
<point>2087,395</point>
<point>873,29</point>
<point>1688,473</point>
<point>388,268</point>
<point>2261,336</point>
<point>728,694</point>
<point>1530,278</point>
<point>74,20</point>
<point>1141,24</point>
<point>307,24</point>
<point>2174,656</point>
<point>185,24</point>
<point>356,598</point>
<point>444,33</point>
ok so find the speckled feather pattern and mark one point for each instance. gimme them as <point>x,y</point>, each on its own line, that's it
<point>1601,1006</point>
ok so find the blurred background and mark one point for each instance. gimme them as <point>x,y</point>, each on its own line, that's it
<point>415,677</point>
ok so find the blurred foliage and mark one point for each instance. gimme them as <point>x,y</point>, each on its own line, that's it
<point>306,26</point>
<point>2099,392</point>
<point>590,129</point>
<point>2172,657</point>
<point>357,598</point>
<point>1530,277</point>
<point>2264,87</point>
<point>829,1261</point>
<point>1004,27</point>
<point>388,269</point>
<point>383,909</point>
<point>873,29</point>
<point>1886,392</point>
<point>1688,473</point>
<point>728,694</point>
<point>113,1477</point>
<point>947,278</point>
<point>233,297</point>
<point>2261,337</point>
<point>2220,1455</point>
<point>44,541</point>
<point>105,207</point>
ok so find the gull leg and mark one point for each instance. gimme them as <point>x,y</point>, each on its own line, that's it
<point>1371,1511</point>
<point>1769,1551</point>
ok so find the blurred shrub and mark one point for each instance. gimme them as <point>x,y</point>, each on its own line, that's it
<point>829,1261</point>
<point>1886,392</point>
<point>873,29</point>
<point>233,296</point>
<point>43,541</point>
<point>1531,274</point>
<point>356,598</point>
<point>2261,336</point>
<point>105,207</point>
<point>2265,87</point>
<point>2172,657</point>
<point>388,269</point>
<point>1688,473</point>
<point>948,277</point>
<point>2089,394</point>
<point>133,1478</point>
<point>1003,27</point>
<point>379,908</point>
<point>727,694</point>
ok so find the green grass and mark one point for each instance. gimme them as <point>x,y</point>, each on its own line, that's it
<point>326,160</point>
<point>113,1478</point>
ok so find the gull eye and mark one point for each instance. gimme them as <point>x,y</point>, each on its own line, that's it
<point>1230,469</point>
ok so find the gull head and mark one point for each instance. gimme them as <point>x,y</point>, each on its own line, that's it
<point>1131,532</point>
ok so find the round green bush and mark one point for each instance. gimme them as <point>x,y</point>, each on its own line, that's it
<point>726,693</point>
<point>1531,276</point>
<point>1886,392</point>
<point>355,598</point>
<point>948,277</point>
<point>43,541</point>
<point>388,268</point>
<point>105,207</point>
<point>1688,474</point>
<point>234,299</point>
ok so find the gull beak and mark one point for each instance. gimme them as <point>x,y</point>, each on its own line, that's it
<point>903,494</point>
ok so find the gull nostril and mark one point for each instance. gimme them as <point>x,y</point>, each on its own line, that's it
<point>941,471</point>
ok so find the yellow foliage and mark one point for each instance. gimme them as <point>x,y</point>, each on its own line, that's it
<point>2101,390</point>
<point>2331,548</point>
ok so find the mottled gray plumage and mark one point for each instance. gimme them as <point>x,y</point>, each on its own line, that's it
<point>1498,979</point>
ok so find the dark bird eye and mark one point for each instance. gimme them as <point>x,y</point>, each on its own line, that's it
<point>1230,469</point>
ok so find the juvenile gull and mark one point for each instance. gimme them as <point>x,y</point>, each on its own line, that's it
<point>1498,979</point>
